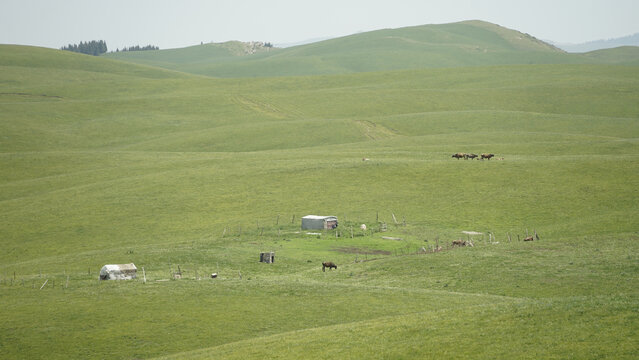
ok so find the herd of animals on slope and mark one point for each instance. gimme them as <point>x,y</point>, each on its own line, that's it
<point>465,156</point>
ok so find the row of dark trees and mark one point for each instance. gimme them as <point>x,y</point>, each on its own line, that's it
<point>92,47</point>
<point>99,47</point>
<point>138,48</point>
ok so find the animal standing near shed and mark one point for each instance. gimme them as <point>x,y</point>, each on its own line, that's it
<point>462,243</point>
<point>328,264</point>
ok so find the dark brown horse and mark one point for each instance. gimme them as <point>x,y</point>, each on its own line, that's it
<point>328,264</point>
<point>487,156</point>
<point>459,156</point>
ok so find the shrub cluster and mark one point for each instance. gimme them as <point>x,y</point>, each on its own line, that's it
<point>92,47</point>
<point>139,48</point>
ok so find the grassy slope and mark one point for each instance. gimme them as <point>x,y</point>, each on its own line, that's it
<point>626,55</point>
<point>470,43</point>
<point>162,169</point>
<point>177,59</point>
<point>41,60</point>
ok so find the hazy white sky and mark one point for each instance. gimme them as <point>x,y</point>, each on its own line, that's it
<point>173,24</point>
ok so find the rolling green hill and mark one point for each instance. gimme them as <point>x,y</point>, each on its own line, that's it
<point>178,59</point>
<point>625,55</point>
<point>16,58</point>
<point>103,161</point>
<point>469,43</point>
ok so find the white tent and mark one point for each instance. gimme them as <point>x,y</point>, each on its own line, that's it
<point>118,272</point>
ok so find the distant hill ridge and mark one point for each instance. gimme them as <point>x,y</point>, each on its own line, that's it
<point>466,43</point>
<point>630,40</point>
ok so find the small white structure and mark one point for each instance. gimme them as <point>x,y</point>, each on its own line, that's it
<point>319,222</point>
<point>118,272</point>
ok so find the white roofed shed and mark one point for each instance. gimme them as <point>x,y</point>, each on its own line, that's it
<point>317,222</point>
<point>118,272</point>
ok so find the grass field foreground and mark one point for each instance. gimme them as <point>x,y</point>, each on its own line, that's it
<point>105,162</point>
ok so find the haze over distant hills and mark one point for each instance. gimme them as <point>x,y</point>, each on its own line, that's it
<point>467,43</point>
<point>630,40</point>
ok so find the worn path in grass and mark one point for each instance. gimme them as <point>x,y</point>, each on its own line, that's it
<point>126,163</point>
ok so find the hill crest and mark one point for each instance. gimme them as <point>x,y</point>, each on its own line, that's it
<point>452,45</point>
<point>467,43</point>
<point>630,40</point>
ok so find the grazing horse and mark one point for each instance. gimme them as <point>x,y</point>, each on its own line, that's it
<point>328,264</point>
<point>487,156</point>
<point>471,156</point>
<point>459,156</point>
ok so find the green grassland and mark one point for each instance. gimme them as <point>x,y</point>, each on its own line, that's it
<point>107,162</point>
<point>468,43</point>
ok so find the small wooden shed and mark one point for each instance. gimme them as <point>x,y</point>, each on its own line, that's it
<point>316,222</point>
<point>118,272</point>
<point>267,257</point>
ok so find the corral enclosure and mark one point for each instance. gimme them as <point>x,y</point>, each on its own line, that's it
<point>198,175</point>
